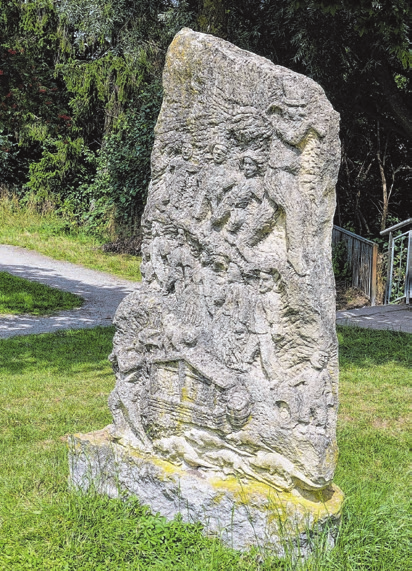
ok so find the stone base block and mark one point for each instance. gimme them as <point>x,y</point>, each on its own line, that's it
<point>241,514</point>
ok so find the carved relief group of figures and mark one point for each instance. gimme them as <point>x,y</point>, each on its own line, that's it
<point>219,197</point>
<point>201,381</point>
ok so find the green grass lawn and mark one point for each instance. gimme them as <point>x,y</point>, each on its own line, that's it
<point>18,295</point>
<point>50,235</point>
<point>55,384</point>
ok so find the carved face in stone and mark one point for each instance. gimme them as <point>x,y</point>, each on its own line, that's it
<point>319,360</point>
<point>296,112</point>
<point>250,167</point>
<point>181,237</point>
<point>219,153</point>
<point>240,333</point>
<point>295,98</point>
<point>187,151</point>
<point>268,282</point>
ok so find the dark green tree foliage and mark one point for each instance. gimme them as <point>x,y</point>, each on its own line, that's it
<point>112,65</point>
<point>88,66</point>
<point>80,92</point>
<point>33,100</point>
<point>123,173</point>
<point>360,52</point>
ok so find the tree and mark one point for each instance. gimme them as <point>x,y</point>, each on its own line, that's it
<point>112,63</point>
<point>33,100</point>
<point>80,92</point>
<point>359,51</point>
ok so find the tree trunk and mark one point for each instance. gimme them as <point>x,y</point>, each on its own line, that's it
<point>385,194</point>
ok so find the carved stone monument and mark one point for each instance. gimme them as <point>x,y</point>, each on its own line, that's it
<point>226,366</point>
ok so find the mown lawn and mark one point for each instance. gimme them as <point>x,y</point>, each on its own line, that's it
<point>18,295</point>
<point>53,236</point>
<point>56,384</point>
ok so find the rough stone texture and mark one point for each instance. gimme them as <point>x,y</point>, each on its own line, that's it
<point>226,357</point>
<point>240,515</point>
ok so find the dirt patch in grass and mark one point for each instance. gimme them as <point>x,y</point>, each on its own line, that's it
<point>131,246</point>
<point>402,423</point>
<point>348,297</point>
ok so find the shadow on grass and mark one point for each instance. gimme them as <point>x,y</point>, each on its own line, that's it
<point>55,278</point>
<point>358,347</point>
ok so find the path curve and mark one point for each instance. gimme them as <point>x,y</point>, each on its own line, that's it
<point>101,291</point>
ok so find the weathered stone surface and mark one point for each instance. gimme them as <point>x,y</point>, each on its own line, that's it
<point>240,515</point>
<point>226,357</point>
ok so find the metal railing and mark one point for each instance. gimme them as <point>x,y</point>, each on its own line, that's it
<point>399,276</point>
<point>362,260</point>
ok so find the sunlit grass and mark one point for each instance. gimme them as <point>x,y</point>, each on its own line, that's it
<point>56,384</point>
<point>53,236</point>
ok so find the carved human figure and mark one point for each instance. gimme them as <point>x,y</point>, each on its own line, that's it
<point>241,347</point>
<point>146,268</point>
<point>246,212</point>
<point>132,371</point>
<point>214,279</point>
<point>305,401</point>
<point>295,127</point>
<point>318,397</point>
<point>244,198</point>
<point>232,338</point>
<point>217,180</point>
<point>181,261</point>
<point>191,314</point>
<point>183,178</point>
<point>267,323</point>
<point>156,256</point>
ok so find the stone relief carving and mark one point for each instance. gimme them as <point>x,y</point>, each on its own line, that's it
<point>226,358</point>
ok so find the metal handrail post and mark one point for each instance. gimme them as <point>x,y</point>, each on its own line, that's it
<point>388,288</point>
<point>408,276</point>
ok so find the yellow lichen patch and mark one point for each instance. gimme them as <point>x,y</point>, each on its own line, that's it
<point>318,503</point>
<point>168,468</point>
<point>102,437</point>
<point>298,507</point>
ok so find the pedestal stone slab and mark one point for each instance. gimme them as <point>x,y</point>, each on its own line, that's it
<point>242,515</point>
<point>226,357</point>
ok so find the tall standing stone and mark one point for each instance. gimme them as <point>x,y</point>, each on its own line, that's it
<point>226,367</point>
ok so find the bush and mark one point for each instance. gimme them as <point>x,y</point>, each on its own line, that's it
<point>123,166</point>
<point>340,264</point>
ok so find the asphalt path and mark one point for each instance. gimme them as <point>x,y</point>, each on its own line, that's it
<point>392,317</point>
<point>103,292</point>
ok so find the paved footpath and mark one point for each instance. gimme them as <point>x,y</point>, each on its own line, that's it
<point>393,317</point>
<point>102,292</point>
